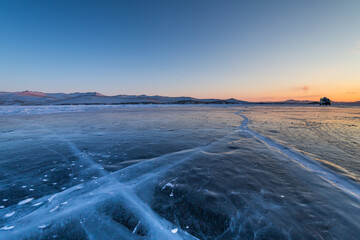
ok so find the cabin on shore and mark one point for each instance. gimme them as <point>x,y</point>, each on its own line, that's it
<point>324,101</point>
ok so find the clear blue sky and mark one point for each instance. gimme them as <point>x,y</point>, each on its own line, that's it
<point>251,50</point>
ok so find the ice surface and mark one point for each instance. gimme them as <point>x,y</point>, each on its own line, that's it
<point>50,109</point>
<point>165,173</point>
<point>329,135</point>
<point>306,162</point>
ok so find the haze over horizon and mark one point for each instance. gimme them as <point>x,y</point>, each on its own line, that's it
<point>253,51</point>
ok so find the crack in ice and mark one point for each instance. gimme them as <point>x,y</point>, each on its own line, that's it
<point>97,191</point>
<point>311,165</point>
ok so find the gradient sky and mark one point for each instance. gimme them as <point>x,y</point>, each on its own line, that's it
<point>250,50</point>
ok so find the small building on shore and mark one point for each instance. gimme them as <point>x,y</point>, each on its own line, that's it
<point>324,101</point>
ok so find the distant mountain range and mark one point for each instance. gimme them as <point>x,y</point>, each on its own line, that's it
<point>94,98</point>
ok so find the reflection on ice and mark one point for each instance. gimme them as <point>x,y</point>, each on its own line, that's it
<point>163,173</point>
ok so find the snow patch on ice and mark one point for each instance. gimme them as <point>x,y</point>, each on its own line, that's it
<point>42,226</point>
<point>5,228</point>
<point>9,214</point>
<point>50,199</point>
<point>54,209</point>
<point>37,204</point>
<point>25,201</point>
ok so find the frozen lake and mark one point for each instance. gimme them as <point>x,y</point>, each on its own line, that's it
<point>179,172</point>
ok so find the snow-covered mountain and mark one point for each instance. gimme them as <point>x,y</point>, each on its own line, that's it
<point>40,98</point>
<point>37,98</point>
